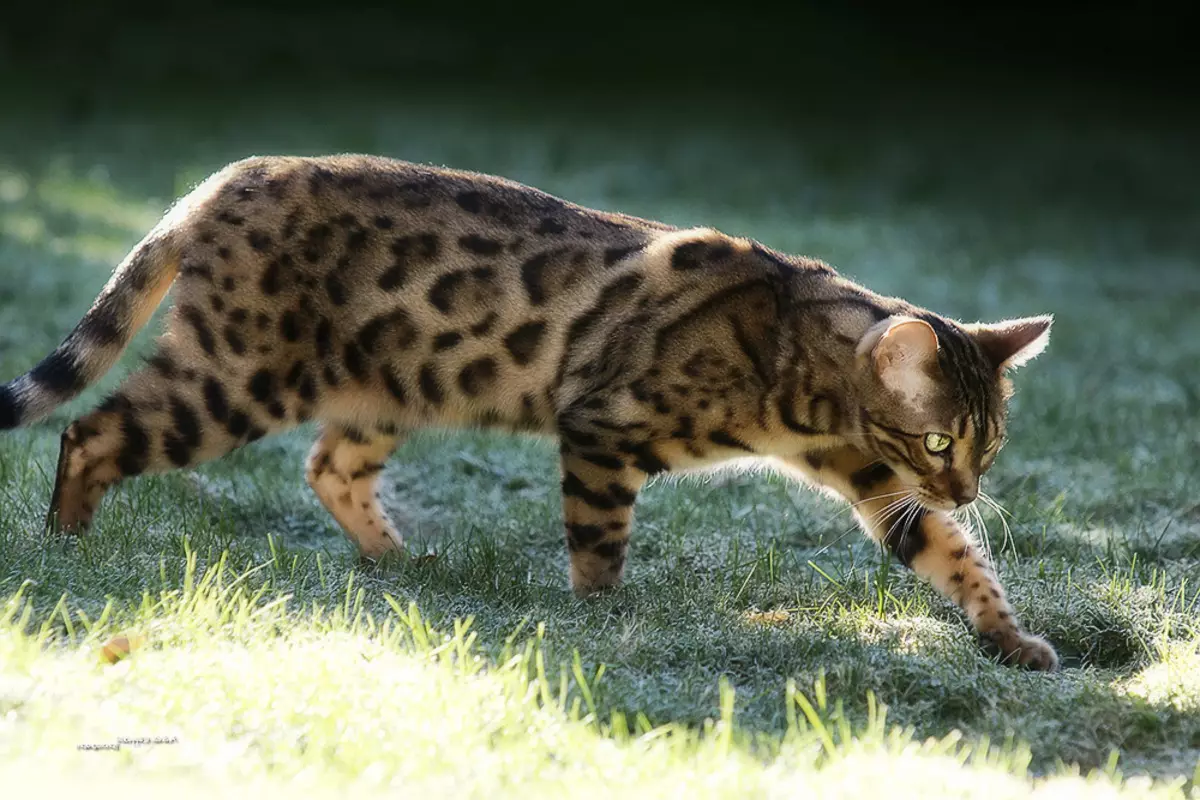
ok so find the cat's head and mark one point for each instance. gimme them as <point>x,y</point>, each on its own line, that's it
<point>935,398</point>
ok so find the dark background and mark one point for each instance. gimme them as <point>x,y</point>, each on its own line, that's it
<point>789,57</point>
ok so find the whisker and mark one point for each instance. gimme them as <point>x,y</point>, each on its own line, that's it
<point>910,507</point>
<point>852,506</point>
<point>1001,511</point>
<point>994,503</point>
<point>913,510</point>
<point>893,508</point>
<point>901,495</point>
<point>870,520</point>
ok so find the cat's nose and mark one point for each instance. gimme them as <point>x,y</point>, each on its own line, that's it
<point>964,493</point>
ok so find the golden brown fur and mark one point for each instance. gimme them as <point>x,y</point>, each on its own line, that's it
<point>378,297</point>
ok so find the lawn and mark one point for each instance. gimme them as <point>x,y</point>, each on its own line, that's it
<point>760,645</point>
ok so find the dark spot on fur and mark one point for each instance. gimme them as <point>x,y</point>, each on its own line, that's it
<point>135,448</point>
<point>692,255</point>
<point>294,375</point>
<point>290,224</point>
<point>477,376</point>
<point>197,269</point>
<point>192,316</point>
<point>179,443</point>
<point>470,201</point>
<point>238,424</point>
<point>431,388</point>
<point>549,227</point>
<point>289,326</point>
<point>394,385</point>
<point>445,341</point>
<point>261,386</point>
<point>271,280</point>
<point>59,373</point>
<point>234,339</point>
<point>393,277</point>
<point>353,358</point>
<point>336,289</point>
<point>442,293</point>
<point>356,240</point>
<point>531,275</point>
<point>474,243</point>
<point>584,535</point>
<point>316,243</point>
<point>523,343</point>
<point>614,254</point>
<point>484,326</point>
<point>259,241</point>
<point>163,364</point>
<point>645,458</point>
<point>613,551</point>
<point>616,496</point>
<point>324,337</point>
<point>871,476</point>
<point>215,400</point>
<point>308,388</point>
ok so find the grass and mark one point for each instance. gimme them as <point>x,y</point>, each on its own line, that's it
<point>274,658</point>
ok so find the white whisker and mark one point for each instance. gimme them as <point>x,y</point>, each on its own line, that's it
<point>852,506</point>
<point>1001,511</point>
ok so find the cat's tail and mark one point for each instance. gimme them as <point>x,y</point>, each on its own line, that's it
<point>124,305</point>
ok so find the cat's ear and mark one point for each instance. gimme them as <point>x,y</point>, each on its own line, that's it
<point>1014,342</point>
<point>903,352</point>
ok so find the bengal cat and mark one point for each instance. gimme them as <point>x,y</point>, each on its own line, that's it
<point>379,296</point>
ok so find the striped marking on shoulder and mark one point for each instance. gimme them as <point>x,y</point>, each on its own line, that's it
<point>714,300</point>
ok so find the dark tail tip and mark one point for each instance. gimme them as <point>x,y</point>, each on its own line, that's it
<point>10,409</point>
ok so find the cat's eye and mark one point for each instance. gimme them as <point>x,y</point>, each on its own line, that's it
<point>937,442</point>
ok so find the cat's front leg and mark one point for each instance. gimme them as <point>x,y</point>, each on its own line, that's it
<point>932,544</point>
<point>940,551</point>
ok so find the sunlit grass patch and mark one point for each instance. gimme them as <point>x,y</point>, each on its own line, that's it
<point>232,685</point>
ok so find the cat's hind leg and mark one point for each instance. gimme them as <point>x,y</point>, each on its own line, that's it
<point>343,469</point>
<point>161,418</point>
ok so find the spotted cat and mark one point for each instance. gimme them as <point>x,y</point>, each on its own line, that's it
<point>378,296</point>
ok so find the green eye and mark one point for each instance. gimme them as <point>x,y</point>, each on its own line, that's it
<point>937,442</point>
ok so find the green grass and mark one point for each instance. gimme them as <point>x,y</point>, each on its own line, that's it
<point>739,581</point>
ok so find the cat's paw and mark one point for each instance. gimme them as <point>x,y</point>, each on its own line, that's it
<point>1016,647</point>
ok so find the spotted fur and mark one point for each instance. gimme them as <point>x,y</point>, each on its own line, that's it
<point>378,296</point>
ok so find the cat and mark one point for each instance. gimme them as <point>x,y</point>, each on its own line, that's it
<point>378,296</point>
